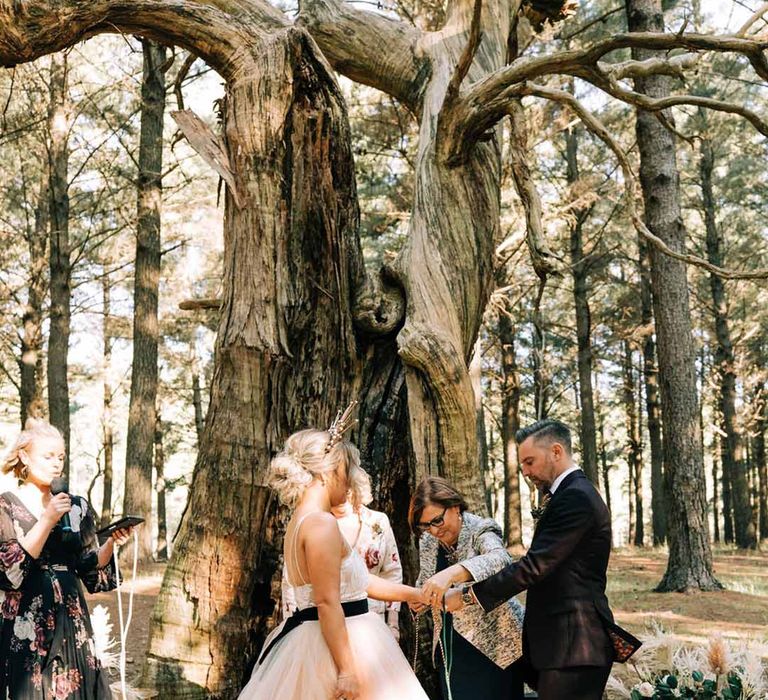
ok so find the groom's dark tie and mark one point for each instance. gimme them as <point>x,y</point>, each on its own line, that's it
<point>546,497</point>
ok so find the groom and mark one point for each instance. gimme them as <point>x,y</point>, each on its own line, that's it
<point>567,618</point>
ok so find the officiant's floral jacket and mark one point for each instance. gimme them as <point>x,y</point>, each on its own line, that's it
<point>480,550</point>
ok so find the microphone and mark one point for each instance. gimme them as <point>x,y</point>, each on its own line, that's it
<point>60,485</point>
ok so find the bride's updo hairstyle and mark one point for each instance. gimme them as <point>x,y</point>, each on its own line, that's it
<point>306,457</point>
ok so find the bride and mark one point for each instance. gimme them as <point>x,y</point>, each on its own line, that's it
<point>331,648</point>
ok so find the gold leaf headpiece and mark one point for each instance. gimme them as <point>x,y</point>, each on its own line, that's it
<point>340,425</point>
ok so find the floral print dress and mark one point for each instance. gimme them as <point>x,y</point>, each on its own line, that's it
<point>46,641</point>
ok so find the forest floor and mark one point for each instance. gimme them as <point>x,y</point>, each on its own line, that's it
<point>740,612</point>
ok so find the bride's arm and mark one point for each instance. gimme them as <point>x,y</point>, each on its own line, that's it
<point>323,548</point>
<point>389,591</point>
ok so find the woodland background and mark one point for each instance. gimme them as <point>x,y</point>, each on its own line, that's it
<point>112,264</point>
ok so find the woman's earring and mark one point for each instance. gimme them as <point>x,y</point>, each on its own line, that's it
<point>24,472</point>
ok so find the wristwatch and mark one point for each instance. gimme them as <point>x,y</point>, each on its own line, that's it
<point>467,596</point>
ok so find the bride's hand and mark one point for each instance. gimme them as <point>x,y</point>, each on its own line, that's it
<point>347,687</point>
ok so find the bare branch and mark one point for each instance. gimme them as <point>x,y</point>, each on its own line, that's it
<point>485,103</point>
<point>595,126</point>
<point>467,56</point>
<point>180,77</point>
<point>658,104</point>
<point>543,259</point>
<point>368,47</point>
<point>756,15</point>
<point>674,66</point>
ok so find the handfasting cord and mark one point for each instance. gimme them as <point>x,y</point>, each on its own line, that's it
<point>445,641</point>
<point>446,645</point>
<point>124,627</point>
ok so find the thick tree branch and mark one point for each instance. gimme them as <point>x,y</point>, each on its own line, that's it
<point>485,103</point>
<point>219,31</point>
<point>368,47</point>
<point>631,186</point>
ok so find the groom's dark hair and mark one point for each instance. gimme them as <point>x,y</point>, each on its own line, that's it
<point>547,429</point>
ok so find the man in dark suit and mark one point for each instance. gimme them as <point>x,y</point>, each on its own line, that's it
<point>564,571</point>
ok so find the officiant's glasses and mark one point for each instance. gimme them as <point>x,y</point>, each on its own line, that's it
<point>435,522</point>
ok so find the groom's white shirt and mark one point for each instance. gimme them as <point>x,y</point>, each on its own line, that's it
<point>560,478</point>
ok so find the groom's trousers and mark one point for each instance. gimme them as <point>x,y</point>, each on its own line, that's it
<point>577,683</point>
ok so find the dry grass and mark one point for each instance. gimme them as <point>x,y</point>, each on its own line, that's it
<point>739,612</point>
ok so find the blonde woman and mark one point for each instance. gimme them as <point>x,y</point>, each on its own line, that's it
<point>370,534</point>
<point>331,648</point>
<point>46,641</point>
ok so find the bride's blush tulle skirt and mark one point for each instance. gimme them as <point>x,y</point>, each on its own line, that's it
<point>300,666</point>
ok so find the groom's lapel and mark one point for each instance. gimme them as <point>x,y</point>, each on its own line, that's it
<point>564,485</point>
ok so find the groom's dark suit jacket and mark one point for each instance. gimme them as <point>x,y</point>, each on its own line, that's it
<point>564,572</point>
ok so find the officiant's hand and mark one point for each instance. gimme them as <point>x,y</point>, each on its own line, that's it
<point>347,687</point>
<point>435,587</point>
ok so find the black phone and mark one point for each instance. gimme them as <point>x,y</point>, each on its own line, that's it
<point>121,524</point>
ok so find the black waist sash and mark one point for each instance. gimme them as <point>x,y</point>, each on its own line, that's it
<point>351,609</point>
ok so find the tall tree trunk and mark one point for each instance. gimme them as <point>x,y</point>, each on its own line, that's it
<point>141,411</point>
<point>604,463</point>
<point>761,463</point>
<point>728,531</point>
<point>634,449</point>
<point>538,358</point>
<point>652,402</point>
<point>580,272</point>
<point>31,401</point>
<point>510,423</point>
<point>107,430</point>
<point>690,558</point>
<point>286,358</point>
<point>162,524</point>
<point>59,120</point>
<point>715,497</point>
<point>733,452</point>
<point>639,540</point>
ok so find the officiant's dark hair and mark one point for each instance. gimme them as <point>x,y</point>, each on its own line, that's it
<point>438,492</point>
<point>547,429</point>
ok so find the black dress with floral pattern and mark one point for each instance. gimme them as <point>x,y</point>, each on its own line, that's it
<point>46,640</point>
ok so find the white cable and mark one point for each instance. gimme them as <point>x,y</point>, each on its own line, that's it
<point>124,627</point>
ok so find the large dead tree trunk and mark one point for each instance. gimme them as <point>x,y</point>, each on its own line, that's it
<point>454,218</point>
<point>690,556</point>
<point>31,359</point>
<point>734,462</point>
<point>59,121</point>
<point>141,411</point>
